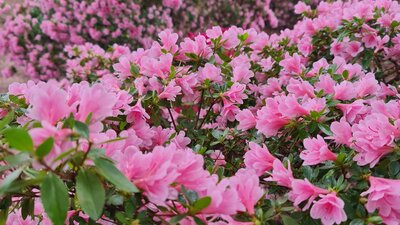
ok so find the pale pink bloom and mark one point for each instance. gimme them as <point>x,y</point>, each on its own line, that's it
<point>152,172</point>
<point>367,85</point>
<point>229,110</point>
<point>189,166</point>
<point>242,74</point>
<point>180,140</point>
<point>341,132</point>
<point>300,88</point>
<point>325,83</point>
<point>374,137</point>
<point>123,67</point>
<point>97,101</point>
<point>384,195</point>
<point>304,190</point>
<point>225,199</point>
<point>301,7</point>
<point>353,48</point>
<point>246,120</point>
<point>344,91</point>
<point>214,32</point>
<point>168,38</point>
<point>267,63</point>
<point>236,93</point>
<point>48,103</point>
<point>292,64</point>
<point>337,48</point>
<point>280,174</point>
<point>290,107</point>
<point>218,157</point>
<point>210,72</point>
<point>247,185</point>
<point>170,91</point>
<point>330,209</point>
<point>258,158</point>
<point>314,104</point>
<point>270,119</point>
<point>316,152</point>
<point>354,111</point>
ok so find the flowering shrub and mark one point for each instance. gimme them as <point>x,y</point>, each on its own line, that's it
<point>229,127</point>
<point>35,34</point>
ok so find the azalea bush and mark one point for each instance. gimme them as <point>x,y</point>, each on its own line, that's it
<point>35,33</point>
<point>232,126</point>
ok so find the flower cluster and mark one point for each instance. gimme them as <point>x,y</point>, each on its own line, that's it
<point>36,33</point>
<point>232,126</point>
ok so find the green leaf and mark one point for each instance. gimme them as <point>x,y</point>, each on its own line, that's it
<point>44,148</point>
<point>91,194</point>
<point>82,129</point>
<point>287,220</point>
<point>176,219</point>
<point>7,119</point>
<point>198,221</point>
<point>27,207</point>
<point>54,196</point>
<point>9,180</point>
<point>201,204</point>
<point>325,129</point>
<point>107,169</point>
<point>357,222</point>
<point>19,139</point>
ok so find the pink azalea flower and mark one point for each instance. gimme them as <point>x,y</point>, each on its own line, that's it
<point>374,137</point>
<point>384,195</point>
<point>258,158</point>
<point>97,101</point>
<point>329,209</point>
<point>170,91</point>
<point>316,152</point>
<point>210,72</point>
<point>246,120</point>
<point>236,93</point>
<point>341,132</point>
<point>247,185</point>
<point>48,103</point>
<point>304,190</point>
<point>242,74</point>
<point>292,64</point>
<point>280,174</point>
<point>270,119</point>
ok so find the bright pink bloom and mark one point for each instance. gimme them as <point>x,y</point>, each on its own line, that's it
<point>258,158</point>
<point>48,103</point>
<point>236,93</point>
<point>97,101</point>
<point>354,48</point>
<point>341,132</point>
<point>292,64</point>
<point>210,72</point>
<point>316,152</point>
<point>280,174</point>
<point>301,7</point>
<point>170,91</point>
<point>247,185</point>
<point>374,137</point>
<point>304,190</point>
<point>152,172</point>
<point>242,74</point>
<point>329,209</point>
<point>384,195</point>
<point>270,119</point>
<point>354,111</point>
<point>246,120</point>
